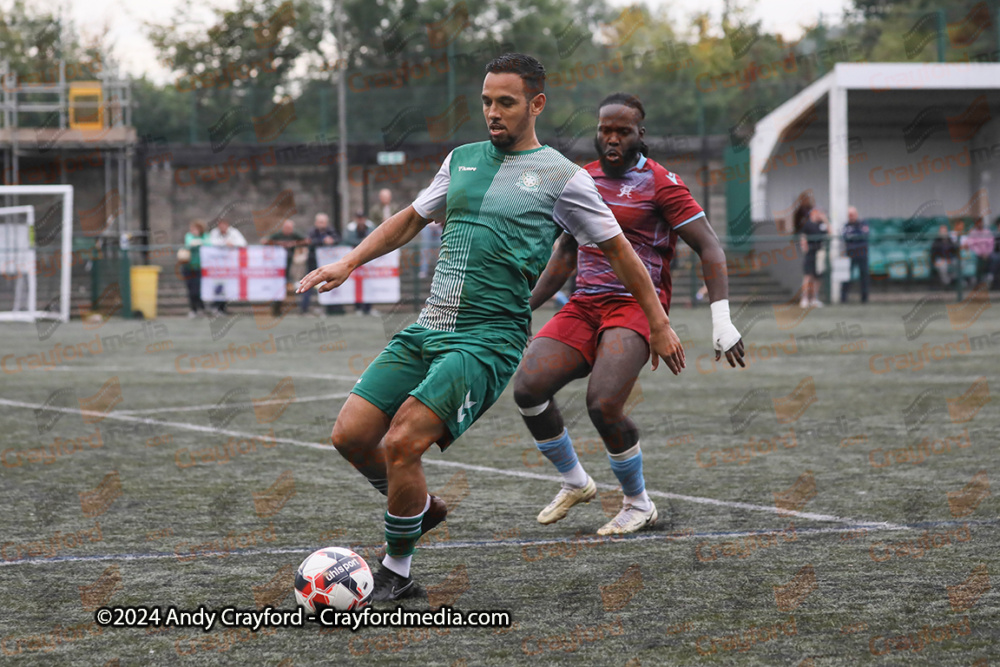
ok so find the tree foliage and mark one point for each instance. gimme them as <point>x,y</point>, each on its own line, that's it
<point>409,62</point>
<point>32,40</point>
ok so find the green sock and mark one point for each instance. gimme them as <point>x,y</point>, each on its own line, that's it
<point>402,534</point>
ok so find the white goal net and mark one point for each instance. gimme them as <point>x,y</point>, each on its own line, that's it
<point>36,242</point>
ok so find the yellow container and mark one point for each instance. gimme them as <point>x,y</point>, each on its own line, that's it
<point>145,280</point>
<point>86,105</point>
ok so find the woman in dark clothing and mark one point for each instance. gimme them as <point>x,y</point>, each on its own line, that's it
<point>800,221</point>
<point>193,241</point>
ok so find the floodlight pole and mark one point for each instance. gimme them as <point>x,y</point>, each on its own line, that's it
<point>345,199</point>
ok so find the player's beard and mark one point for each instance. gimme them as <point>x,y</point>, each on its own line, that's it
<point>629,157</point>
<point>505,141</point>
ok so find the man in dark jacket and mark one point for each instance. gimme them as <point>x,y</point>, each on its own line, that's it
<point>322,234</point>
<point>856,247</point>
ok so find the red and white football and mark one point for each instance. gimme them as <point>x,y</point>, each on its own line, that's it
<point>334,577</point>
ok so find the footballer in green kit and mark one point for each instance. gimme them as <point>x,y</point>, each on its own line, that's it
<point>504,202</point>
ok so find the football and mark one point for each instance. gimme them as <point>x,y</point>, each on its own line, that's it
<point>333,577</point>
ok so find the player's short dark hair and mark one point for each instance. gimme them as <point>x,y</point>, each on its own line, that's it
<point>624,99</point>
<point>531,71</point>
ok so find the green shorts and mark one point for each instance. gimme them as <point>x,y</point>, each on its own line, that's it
<point>457,375</point>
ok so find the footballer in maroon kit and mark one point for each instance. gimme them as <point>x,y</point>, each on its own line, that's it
<point>602,331</point>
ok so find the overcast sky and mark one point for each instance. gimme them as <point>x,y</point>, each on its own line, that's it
<point>135,54</point>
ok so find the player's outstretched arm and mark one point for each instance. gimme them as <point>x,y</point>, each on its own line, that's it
<point>663,342</point>
<point>394,233</point>
<point>702,239</point>
<point>561,265</point>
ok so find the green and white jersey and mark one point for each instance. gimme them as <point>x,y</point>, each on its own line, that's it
<point>503,211</point>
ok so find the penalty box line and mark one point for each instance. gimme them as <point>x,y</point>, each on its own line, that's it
<point>812,516</point>
<point>490,544</point>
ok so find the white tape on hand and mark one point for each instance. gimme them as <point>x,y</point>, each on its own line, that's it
<point>724,334</point>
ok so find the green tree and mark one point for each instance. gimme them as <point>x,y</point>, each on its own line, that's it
<point>909,30</point>
<point>245,59</point>
<point>32,41</point>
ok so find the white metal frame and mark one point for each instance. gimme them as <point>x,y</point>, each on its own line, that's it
<point>29,212</point>
<point>67,250</point>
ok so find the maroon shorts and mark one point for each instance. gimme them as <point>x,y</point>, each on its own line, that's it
<point>580,322</point>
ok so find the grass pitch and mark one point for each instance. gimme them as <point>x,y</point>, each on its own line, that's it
<point>830,505</point>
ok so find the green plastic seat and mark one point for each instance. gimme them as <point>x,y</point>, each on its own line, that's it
<point>896,262</point>
<point>876,261</point>
<point>920,264</point>
<point>968,264</point>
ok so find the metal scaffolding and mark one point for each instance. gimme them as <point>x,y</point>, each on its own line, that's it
<point>56,138</point>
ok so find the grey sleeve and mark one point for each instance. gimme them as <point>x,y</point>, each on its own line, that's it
<point>581,211</point>
<point>433,199</point>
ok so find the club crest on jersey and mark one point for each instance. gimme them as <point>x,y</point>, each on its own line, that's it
<point>529,181</point>
<point>626,191</point>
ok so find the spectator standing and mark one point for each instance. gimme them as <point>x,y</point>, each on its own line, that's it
<point>356,232</point>
<point>224,236</point>
<point>191,269</point>
<point>383,209</point>
<point>944,249</point>
<point>811,240</point>
<point>800,216</point>
<point>322,234</point>
<point>856,248</point>
<point>289,239</point>
<point>803,206</point>
<point>430,244</point>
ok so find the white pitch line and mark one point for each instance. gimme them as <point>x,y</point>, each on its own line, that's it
<point>678,496</point>
<point>466,466</point>
<point>200,408</point>
<point>228,371</point>
<point>158,422</point>
<point>590,541</point>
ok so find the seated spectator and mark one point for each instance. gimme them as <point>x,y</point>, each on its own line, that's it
<point>980,242</point>
<point>944,250</point>
<point>994,269</point>
<point>958,232</point>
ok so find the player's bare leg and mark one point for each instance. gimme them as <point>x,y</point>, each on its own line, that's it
<point>358,436</point>
<point>547,367</point>
<point>621,355</point>
<point>412,431</point>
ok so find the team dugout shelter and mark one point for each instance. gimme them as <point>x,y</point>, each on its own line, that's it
<point>911,145</point>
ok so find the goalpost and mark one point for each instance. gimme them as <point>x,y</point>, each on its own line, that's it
<point>35,263</point>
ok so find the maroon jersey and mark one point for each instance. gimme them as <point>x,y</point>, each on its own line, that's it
<point>650,203</point>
